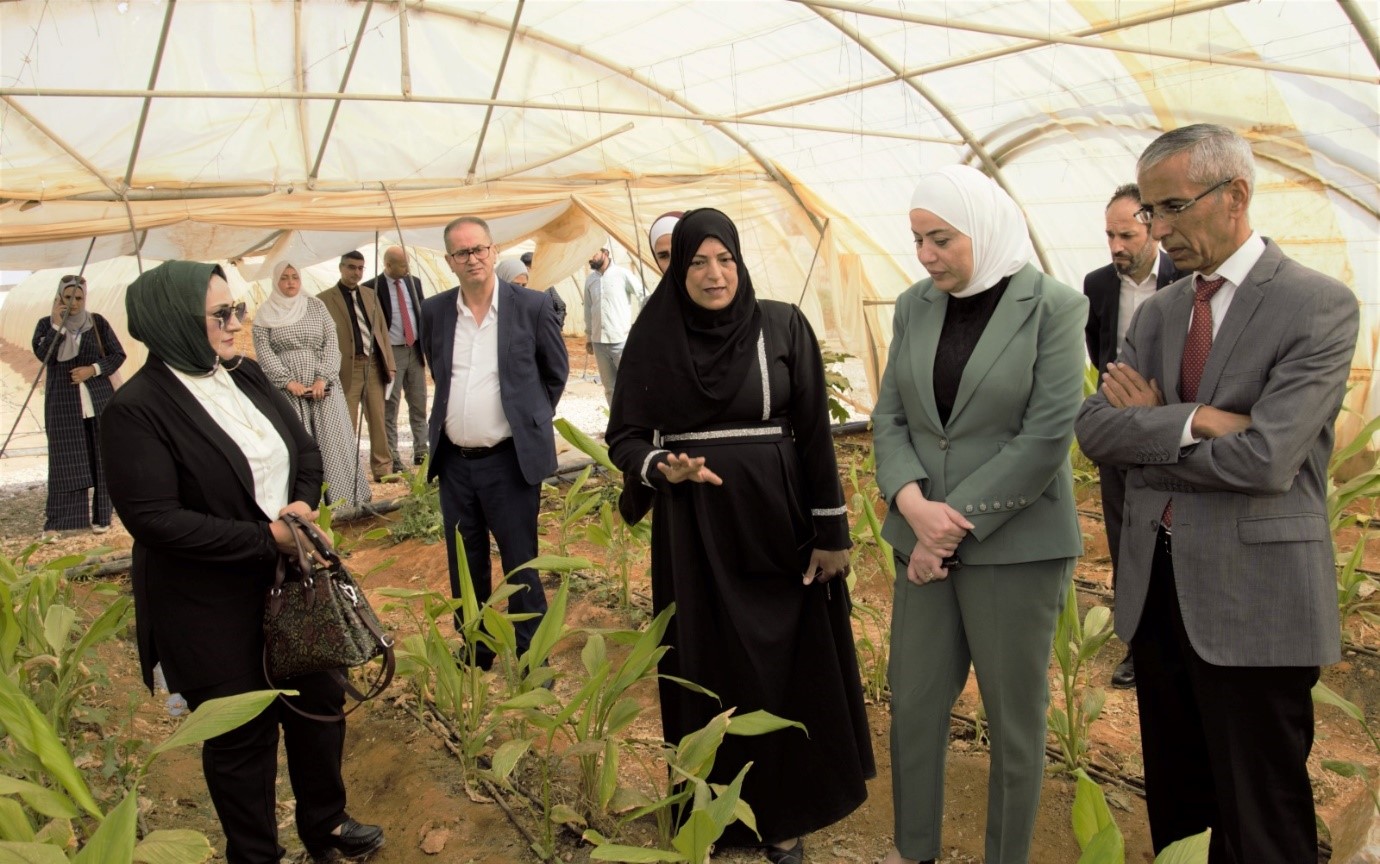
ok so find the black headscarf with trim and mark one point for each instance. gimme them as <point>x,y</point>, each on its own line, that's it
<point>683,364</point>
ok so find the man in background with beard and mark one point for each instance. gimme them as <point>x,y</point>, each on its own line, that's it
<point>1137,271</point>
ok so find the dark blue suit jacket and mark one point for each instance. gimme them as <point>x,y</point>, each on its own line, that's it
<point>383,289</point>
<point>1103,289</point>
<point>532,370</point>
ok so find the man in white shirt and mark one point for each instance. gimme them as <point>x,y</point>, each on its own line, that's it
<point>500,366</point>
<point>612,293</point>
<point>1137,271</point>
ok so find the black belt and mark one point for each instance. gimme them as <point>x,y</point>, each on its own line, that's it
<point>481,452</point>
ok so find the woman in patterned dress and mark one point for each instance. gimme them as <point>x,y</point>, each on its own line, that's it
<point>79,369</point>
<point>295,343</point>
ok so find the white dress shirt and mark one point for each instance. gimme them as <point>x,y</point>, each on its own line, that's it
<point>474,413</point>
<point>609,299</point>
<point>363,326</point>
<point>1133,294</point>
<point>258,439</point>
<point>1235,270</point>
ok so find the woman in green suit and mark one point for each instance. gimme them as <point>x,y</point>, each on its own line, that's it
<point>972,430</point>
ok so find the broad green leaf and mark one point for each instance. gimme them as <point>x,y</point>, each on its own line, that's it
<point>760,723</point>
<point>564,814</point>
<point>626,798</point>
<point>177,846</point>
<point>28,728</point>
<point>57,626</point>
<point>1106,847</point>
<point>1326,695</point>
<point>585,444</point>
<point>595,653</point>
<point>624,712</point>
<point>66,562</point>
<point>692,686</point>
<point>608,773</point>
<point>695,754</point>
<point>30,853</point>
<point>1344,768</point>
<point>507,756</point>
<point>722,809</point>
<point>41,799</point>
<point>1090,811</point>
<point>555,564</point>
<point>552,626</point>
<point>113,842</point>
<point>109,622</point>
<point>697,834</point>
<point>538,698</point>
<point>58,833</point>
<point>218,716</point>
<point>633,854</point>
<point>1190,850</point>
<point>1098,619</point>
<point>15,826</point>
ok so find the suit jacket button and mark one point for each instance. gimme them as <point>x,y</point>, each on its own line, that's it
<point>943,443</point>
<point>996,505</point>
<point>983,507</point>
<point>969,508</point>
<point>1010,504</point>
<point>1022,500</point>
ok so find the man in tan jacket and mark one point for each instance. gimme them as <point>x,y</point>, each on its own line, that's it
<point>366,357</point>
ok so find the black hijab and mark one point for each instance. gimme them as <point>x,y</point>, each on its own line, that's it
<point>683,363</point>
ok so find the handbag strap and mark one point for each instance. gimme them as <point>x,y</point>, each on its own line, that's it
<point>325,553</point>
<point>96,328</point>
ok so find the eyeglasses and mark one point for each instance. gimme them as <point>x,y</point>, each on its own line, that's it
<point>1170,209</point>
<point>222,315</point>
<point>479,253</point>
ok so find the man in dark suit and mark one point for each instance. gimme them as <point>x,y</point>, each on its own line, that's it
<point>1137,271</point>
<point>366,357</point>
<point>500,366</point>
<point>397,290</point>
<point>1222,407</point>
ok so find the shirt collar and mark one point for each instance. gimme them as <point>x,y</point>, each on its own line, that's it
<point>1238,266</point>
<point>461,308</point>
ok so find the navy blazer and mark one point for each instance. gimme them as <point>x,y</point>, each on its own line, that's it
<point>1103,289</point>
<point>384,291</point>
<point>532,370</point>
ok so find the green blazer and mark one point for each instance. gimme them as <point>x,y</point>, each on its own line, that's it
<point>1003,459</point>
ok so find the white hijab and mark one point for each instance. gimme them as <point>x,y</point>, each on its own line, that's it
<point>280,310</point>
<point>971,202</point>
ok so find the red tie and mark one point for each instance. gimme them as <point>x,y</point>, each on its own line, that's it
<point>1196,350</point>
<point>408,336</point>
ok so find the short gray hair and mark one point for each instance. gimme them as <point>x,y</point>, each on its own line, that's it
<point>464,220</point>
<point>1215,154</point>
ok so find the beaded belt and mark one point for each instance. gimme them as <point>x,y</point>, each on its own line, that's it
<point>759,433</point>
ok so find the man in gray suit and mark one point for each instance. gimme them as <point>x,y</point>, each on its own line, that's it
<point>1221,406</point>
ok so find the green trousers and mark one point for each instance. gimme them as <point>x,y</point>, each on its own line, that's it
<point>1001,619</point>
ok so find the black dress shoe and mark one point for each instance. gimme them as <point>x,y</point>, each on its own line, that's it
<point>1125,674</point>
<point>418,458</point>
<point>398,467</point>
<point>353,841</point>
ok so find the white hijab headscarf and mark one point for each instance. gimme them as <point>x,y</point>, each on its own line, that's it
<point>510,268</point>
<point>280,310</point>
<point>971,202</point>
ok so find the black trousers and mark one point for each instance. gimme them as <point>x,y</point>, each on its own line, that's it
<point>483,496</point>
<point>1225,747</point>
<point>241,767</point>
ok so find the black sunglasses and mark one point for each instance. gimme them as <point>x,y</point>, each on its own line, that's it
<point>222,315</point>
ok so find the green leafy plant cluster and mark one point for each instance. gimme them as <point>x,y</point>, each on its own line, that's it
<point>1358,594</point>
<point>420,509</point>
<point>1100,838</point>
<point>1076,643</point>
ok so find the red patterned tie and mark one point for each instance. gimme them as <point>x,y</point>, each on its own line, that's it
<point>1196,350</point>
<point>408,336</point>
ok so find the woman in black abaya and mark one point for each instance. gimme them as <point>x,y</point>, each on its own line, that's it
<point>720,421</point>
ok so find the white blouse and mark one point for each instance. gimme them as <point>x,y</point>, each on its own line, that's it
<point>258,439</point>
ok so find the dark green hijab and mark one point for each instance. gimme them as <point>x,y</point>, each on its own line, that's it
<point>165,309</point>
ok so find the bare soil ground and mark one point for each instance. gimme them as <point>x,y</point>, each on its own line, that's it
<point>401,776</point>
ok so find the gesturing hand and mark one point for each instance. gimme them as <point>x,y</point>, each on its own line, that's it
<point>677,469</point>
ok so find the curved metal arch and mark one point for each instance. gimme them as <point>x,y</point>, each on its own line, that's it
<point>992,166</point>
<point>622,71</point>
<point>1021,140</point>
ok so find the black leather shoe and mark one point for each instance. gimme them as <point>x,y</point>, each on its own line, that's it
<point>398,467</point>
<point>418,458</point>
<point>1125,674</point>
<point>353,841</point>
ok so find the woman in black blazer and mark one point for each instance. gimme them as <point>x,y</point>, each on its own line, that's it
<point>81,352</point>
<point>204,457</point>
